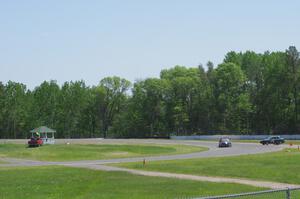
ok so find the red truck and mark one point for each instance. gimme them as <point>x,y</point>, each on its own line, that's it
<point>35,142</point>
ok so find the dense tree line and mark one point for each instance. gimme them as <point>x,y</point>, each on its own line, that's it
<point>248,93</point>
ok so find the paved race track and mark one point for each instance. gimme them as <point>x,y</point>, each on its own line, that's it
<point>214,151</point>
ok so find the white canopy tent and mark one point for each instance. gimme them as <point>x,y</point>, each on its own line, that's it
<point>46,134</point>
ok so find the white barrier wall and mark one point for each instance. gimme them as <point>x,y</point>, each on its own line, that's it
<point>233,137</point>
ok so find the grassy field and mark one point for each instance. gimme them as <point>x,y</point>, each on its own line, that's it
<point>280,166</point>
<point>63,152</point>
<point>64,182</point>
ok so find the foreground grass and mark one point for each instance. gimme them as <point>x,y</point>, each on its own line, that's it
<point>63,182</point>
<point>280,166</point>
<point>63,152</point>
<point>294,142</point>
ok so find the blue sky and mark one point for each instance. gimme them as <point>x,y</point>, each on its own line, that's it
<point>89,40</point>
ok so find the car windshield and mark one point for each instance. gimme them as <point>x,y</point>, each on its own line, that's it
<point>225,140</point>
<point>274,137</point>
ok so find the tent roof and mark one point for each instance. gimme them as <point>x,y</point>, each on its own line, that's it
<point>43,129</point>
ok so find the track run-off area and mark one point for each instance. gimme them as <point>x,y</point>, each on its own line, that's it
<point>213,151</point>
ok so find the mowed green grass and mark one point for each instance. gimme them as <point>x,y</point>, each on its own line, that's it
<point>283,166</point>
<point>64,182</point>
<point>63,152</point>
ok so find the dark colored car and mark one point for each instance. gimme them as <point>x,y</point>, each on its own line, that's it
<point>272,140</point>
<point>224,142</point>
<point>35,142</point>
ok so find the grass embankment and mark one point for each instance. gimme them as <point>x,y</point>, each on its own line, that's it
<point>63,152</point>
<point>280,166</point>
<point>63,182</point>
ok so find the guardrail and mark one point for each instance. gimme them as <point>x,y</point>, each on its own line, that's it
<point>233,137</point>
<point>293,193</point>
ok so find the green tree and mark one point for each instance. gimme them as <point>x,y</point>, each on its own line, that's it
<point>15,110</point>
<point>2,109</point>
<point>73,102</point>
<point>45,104</point>
<point>231,100</point>
<point>115,96</point>
<point>186,99</point>
<point>293,64</point>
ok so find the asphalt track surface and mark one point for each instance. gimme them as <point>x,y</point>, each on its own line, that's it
<point>214,151</point>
